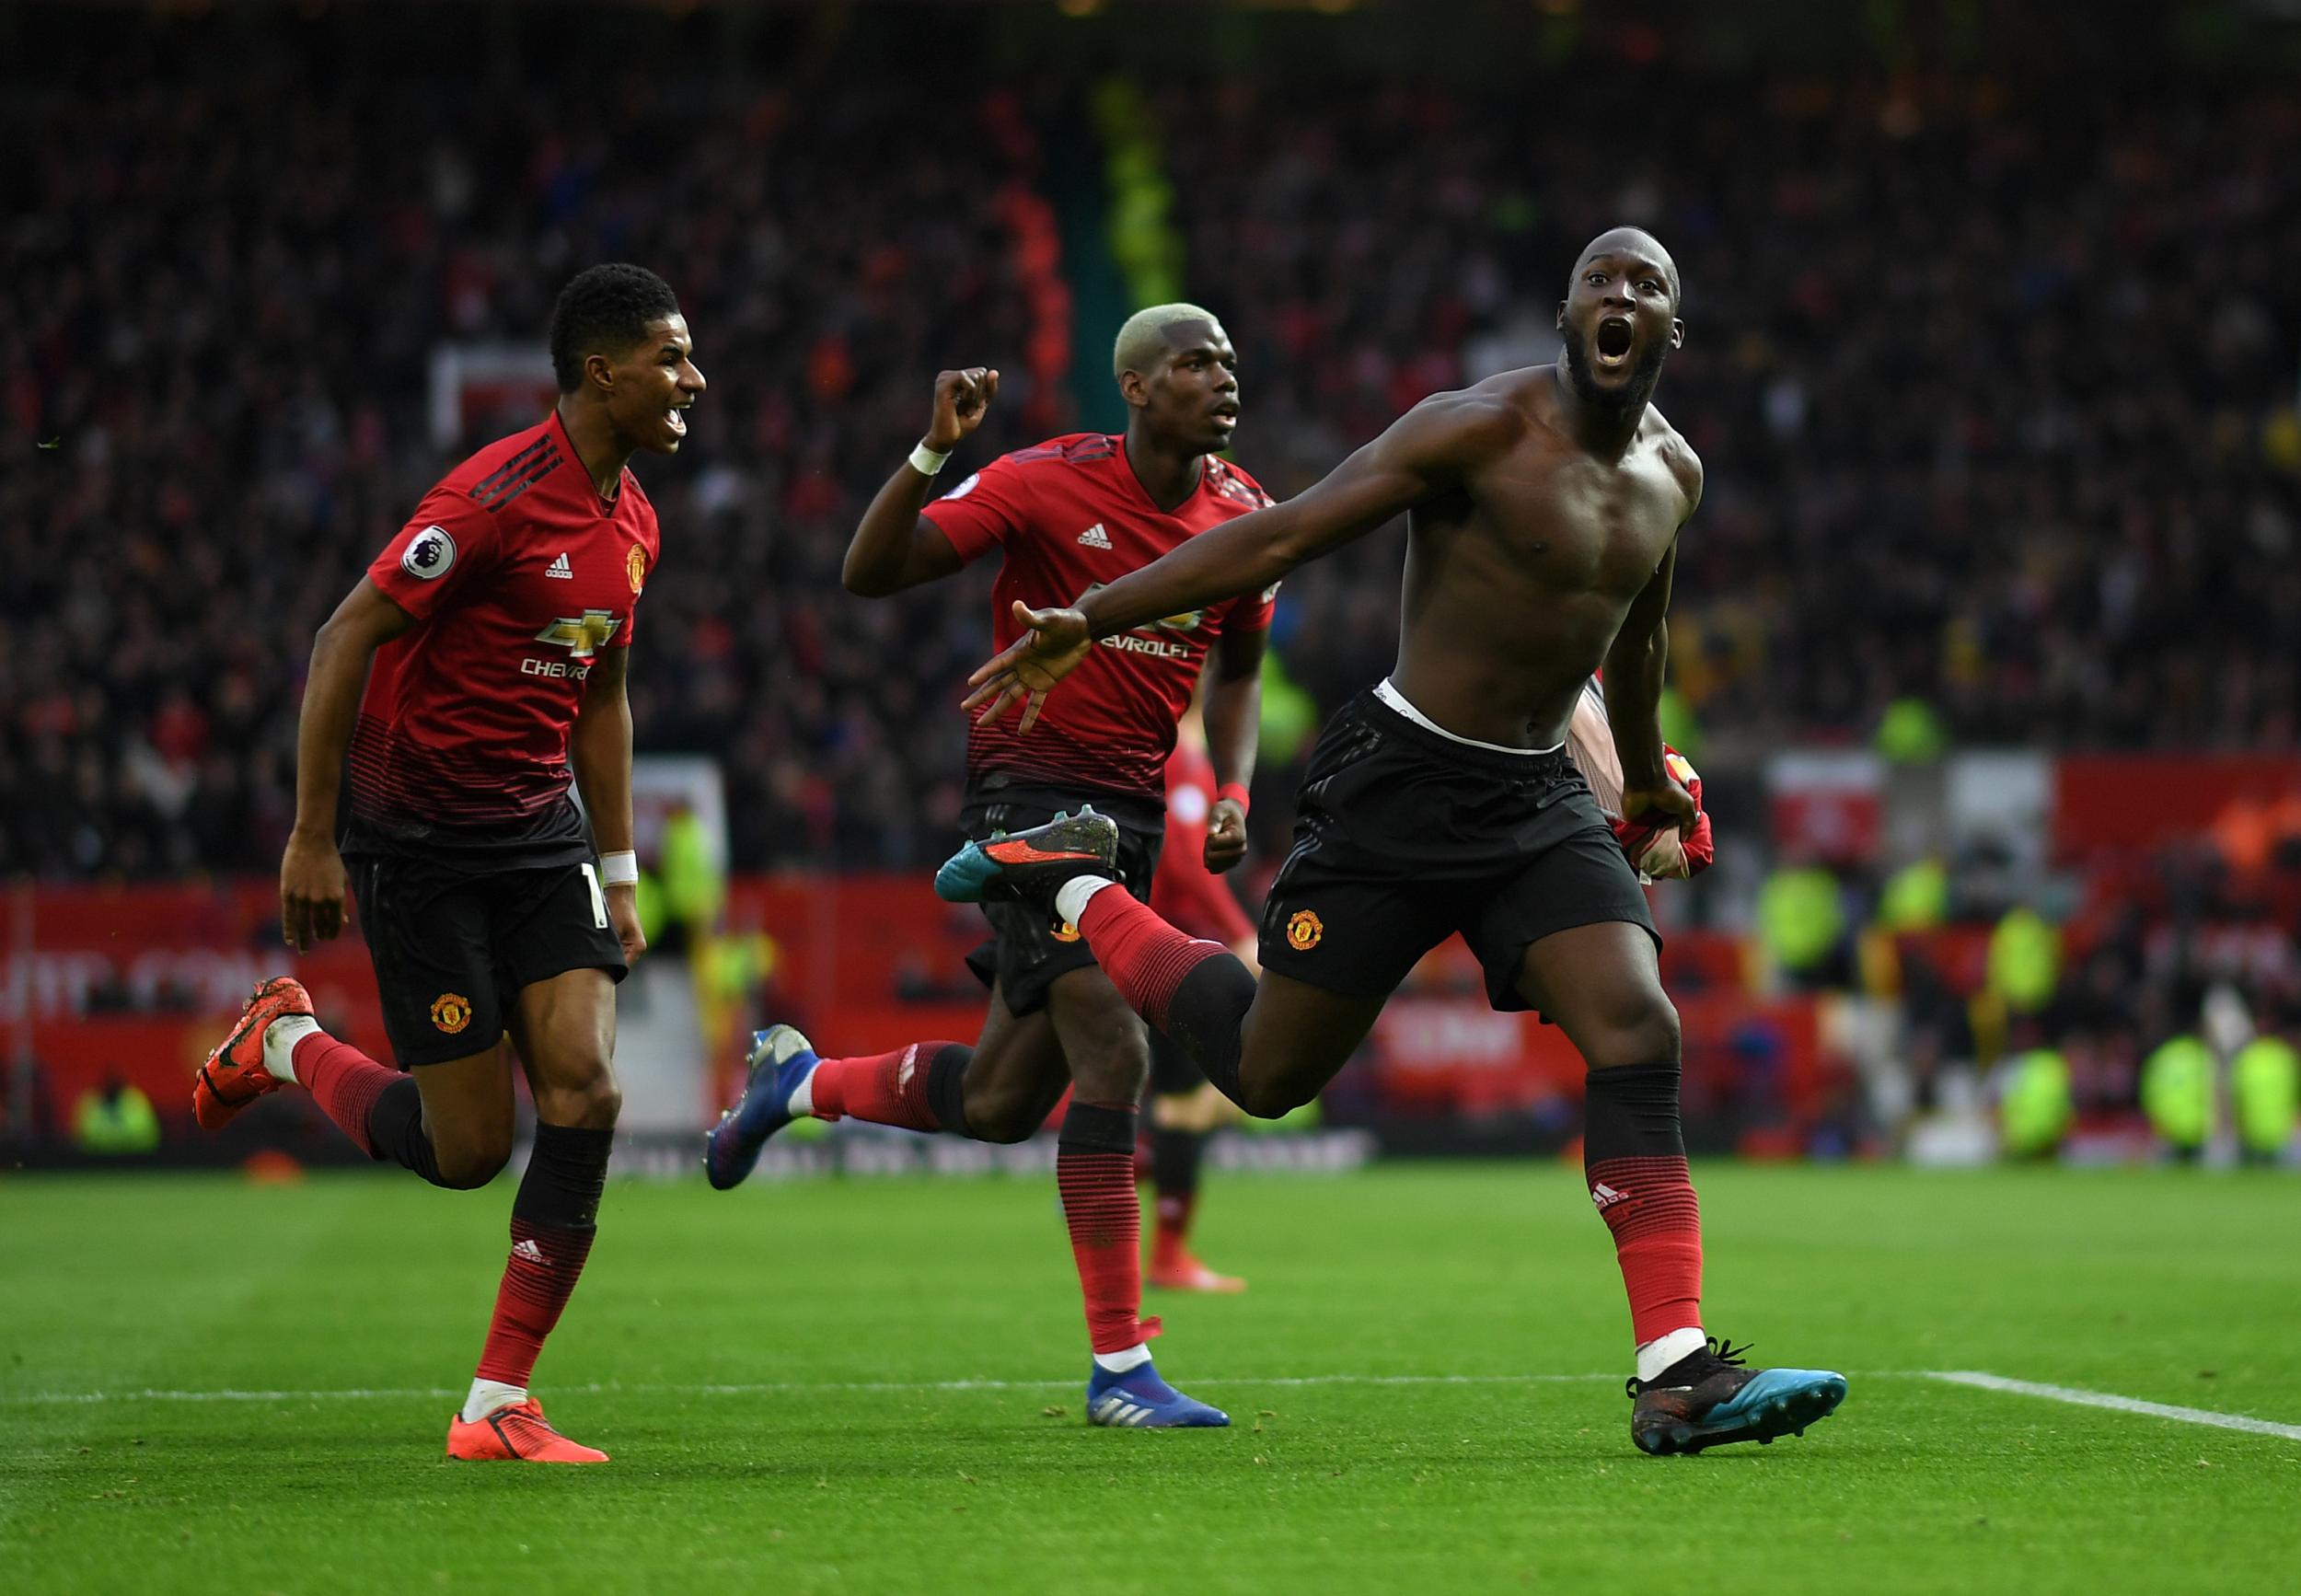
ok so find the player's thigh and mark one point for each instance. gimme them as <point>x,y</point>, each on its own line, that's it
<point>558,952</point>
<point>1297,1037</point>
<point>1601,985</point>
<point>564,1028</point>
<point>1104,1040</point>
<point>429,940</point>
<point>469,1114</point>
<point>1342,927</point>
<point>1017,1075</point>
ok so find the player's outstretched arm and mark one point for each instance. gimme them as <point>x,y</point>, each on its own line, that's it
<point>599,748</point>
<point>1437,442</point>
<point>894,547</point>
<point>311,872</point>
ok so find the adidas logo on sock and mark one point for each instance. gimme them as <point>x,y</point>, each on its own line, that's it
<point>561,569</point>
<point>1094,538</point>
<point>527,1251</point>
<point>1605,1196</point>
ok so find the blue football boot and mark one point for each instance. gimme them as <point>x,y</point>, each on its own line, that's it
<point>1138,1399</point>
<point>1708,1398</point>
<point>778,1060</point>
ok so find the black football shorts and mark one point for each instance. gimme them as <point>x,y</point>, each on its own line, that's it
<point>1026,952</point>
<point>452,946</point>
<point>1404,836</point>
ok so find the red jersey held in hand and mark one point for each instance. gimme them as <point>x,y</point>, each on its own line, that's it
<point>519,575</point>
<point>1069,517</point>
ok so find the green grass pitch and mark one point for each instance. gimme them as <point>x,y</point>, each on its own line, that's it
<point>1425,1380</point>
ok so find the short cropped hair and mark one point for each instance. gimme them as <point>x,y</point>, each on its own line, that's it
<point>1142,341</point>
<point>606,308</point>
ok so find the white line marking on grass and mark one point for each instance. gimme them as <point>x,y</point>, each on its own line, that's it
<point>765,1388</point>
<point>2078,1398</point>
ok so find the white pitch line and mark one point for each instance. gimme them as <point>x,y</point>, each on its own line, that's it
<point>2078,1398</point>
<point>767,1388</point>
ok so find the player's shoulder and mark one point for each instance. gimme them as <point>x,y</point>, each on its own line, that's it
<point>1466,423</point>
<point>1226,481</point>
<point>1071,452</point>
<point>524,456</point>
<point>1676,455</point>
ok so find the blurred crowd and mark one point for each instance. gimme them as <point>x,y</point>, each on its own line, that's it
<point>1994,381</point>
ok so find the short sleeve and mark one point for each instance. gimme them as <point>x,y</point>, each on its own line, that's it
<point>447,539</point>
<point>985,509</point>
<point>1250,611</point>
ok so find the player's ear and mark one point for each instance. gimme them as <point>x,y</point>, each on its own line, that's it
<point>599,371</point>
<point>1135,389</point>
<point>1677,333</point>
<point>1560,324</point>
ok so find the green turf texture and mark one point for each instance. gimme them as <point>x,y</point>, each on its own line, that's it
<point>2175,1286</point>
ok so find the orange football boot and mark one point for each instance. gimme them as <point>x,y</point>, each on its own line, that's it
<point>515,1434</point>
<point>234,1075</point>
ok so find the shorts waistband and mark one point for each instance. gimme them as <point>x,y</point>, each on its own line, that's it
<point>1389,708</point>
<point>1133,811</point>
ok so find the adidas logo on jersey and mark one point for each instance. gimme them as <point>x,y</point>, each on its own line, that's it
<point>1605,1196</point>
<point>561,569</point>
<point>1094,538</point>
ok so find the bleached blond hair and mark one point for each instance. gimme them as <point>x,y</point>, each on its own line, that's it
<point>1143,340</point>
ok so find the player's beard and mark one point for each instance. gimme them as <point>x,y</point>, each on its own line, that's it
<point>1627,399</point>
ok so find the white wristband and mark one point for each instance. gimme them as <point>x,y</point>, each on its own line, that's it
<point>927,461</point>
<point>618,869</point>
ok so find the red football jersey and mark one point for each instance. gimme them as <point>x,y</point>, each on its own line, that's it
<point>517,574</point>
<point>1069,516</point>
<point>1185,893</point>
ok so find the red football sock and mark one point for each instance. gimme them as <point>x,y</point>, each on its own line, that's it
<point>1094,1168</point>
<point>885,1088</point>
<point>344,1082</point>
<point>1145,957</point>
<point>1648,1203</point>
<point>1169,1242</point>
<point>1636,1164</point>
<point>538,1281</point>
<point>553,1221</point>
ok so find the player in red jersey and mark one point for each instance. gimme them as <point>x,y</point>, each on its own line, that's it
<point>499,623</point>
<point>1184,1106</point>
<point>1067,516</point>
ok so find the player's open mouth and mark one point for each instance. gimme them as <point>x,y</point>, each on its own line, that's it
<point>1226,416</point>
<point>1615,339</point>
<point>677,423</point>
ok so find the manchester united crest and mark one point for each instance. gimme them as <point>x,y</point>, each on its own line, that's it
<point>635,567</point>
<point>1303,930</point>
<point>451,1012</point>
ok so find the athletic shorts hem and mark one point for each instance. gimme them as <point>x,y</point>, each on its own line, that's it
<point>1502,972</point>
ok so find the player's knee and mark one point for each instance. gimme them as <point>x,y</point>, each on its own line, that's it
<point>1642,1030</point>
<point>468,1168</point>
<point>590,1101</point>
<point>1004,1115</point>
<point>1272,1099</point>
<point>1117,1071</point>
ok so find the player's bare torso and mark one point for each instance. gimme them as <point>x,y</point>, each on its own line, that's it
<point>1518,579</point>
